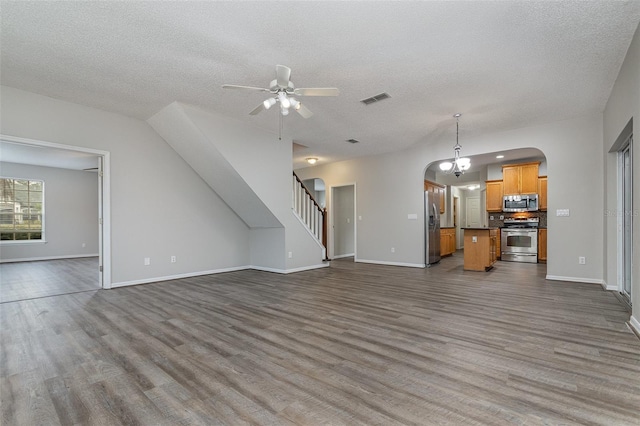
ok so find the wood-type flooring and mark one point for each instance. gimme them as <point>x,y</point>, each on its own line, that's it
<point>28,280</point>
<point>353,344</point>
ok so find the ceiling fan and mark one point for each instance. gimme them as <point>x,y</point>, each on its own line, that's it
<point>283,90</point>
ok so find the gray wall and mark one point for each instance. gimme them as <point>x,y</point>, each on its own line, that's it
<point>159,206</point>
<point>71,214</point>
<point>391,186</point>
<point>623,104</point>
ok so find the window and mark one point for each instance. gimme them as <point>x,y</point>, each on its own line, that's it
<point>21,209</point>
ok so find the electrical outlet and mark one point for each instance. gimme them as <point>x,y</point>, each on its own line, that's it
<point>393,249</point>
<point>490,217</point>
<point>474,239</point>
<point>173,259</point>
<point>290,254</point>
<point>501,217</point>
<point>582,260</point>
<point>84,245</point>
<point>147,261</point>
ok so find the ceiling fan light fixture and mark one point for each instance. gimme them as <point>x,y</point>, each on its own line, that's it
<point>284,111</point>
<point>294,103</point>
<point>269,103</point>
<point>284,101</point>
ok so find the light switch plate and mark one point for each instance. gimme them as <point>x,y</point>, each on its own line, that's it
<point>562,212</point>
<point>412,216</point>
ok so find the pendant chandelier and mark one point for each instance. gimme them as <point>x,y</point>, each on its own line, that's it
<point>458,165</point>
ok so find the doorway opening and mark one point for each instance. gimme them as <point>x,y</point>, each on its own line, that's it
<point>76,164</point>
<point>343,221</point>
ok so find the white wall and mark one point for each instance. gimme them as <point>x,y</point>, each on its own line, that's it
<point>623,104</point>
<point>71,213</point>
<point>390,186</point>
<point>159,206</point>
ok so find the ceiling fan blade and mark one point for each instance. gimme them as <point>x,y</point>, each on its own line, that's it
<point>304,111</point>
<point>234,86</point>
<point>257,109</point>
<point>317,91</point>
<point>283,74</point>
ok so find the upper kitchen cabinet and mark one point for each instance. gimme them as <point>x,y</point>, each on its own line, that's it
<point>520,178</point>
<point>494,195</point>
<point>542,193</point>
<point>437,189</point>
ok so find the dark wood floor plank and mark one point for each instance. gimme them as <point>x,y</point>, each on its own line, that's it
<point>353,344</point>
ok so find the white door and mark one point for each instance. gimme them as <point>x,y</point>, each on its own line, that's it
<point>343,221</point>
<point>473,213</point>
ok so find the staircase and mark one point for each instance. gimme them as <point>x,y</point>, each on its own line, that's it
<point>310,213</point>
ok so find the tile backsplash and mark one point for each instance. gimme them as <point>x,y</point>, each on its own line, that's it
<point>498,223</point>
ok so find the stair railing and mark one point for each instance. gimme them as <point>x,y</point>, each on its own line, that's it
<point>309,211</point>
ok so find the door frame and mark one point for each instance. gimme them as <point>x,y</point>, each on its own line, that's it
<point>332,221</point>
<point>104,197</point>
<point>628,145</point>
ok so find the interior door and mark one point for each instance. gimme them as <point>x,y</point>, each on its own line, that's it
<point>473,213</point>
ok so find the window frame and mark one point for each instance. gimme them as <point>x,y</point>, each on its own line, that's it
<point>42,239</point>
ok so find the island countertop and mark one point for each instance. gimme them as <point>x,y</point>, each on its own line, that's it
<point>481,228</point>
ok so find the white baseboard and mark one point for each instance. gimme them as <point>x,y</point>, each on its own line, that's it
<point>576,279</point>
<point>290,271</point>
<point>633,322</point>
<point>35,259</point>
<point>608,287</point>
<point>340,256</point>
<point>178,276</point>
<point>381,262</point>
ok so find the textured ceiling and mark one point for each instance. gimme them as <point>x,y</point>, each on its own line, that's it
<point>502,64</point>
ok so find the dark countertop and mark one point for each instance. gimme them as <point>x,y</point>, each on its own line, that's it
<point>447,227</point>
<point>481,229</point>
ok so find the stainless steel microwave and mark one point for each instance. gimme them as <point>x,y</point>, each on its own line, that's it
<point>520,203</point>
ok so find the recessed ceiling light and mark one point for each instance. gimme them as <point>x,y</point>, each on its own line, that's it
<point>500,156</point>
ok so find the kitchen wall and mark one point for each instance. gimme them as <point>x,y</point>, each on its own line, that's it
<point>391,186</point>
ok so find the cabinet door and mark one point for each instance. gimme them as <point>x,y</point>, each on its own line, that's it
<point>511,180</point>
<point>542,193</point>
<point>529,179</point>
<point>542,245</point>
<point>441,191</point>
<point>494,196</point>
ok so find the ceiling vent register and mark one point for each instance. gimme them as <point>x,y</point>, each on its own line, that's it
<point>376,98</point>
<point>353,141</point>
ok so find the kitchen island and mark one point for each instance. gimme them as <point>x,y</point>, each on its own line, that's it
<point>480,248</point>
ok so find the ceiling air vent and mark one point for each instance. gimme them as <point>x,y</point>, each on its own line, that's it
<point>376,98</point>
<point>353,141</point>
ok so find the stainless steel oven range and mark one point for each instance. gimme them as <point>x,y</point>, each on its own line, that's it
<point>519,240</point>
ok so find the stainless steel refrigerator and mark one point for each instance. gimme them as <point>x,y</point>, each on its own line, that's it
<point>432,227</point>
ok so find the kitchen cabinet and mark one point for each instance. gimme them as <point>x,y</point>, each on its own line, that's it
<point>437,189</point>
<point>447,241</point>
<point>542,193</point>
<point>542,245</point>
<point>494,195</point>
<point>520,178</point>
<point>480,246</point>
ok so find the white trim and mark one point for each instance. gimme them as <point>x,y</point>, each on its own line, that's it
<point>35,259</point>
<point>577,280</point>
<point>344,255</point>
<point>608,287</point>
<point>304,225</point>
<point>290,271</point>
<point>633,322</point>
<point>331,230</point>
<point>381,262</point>
<point>178,276</point>
<point>18,242</point>
<point>106,195</point>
